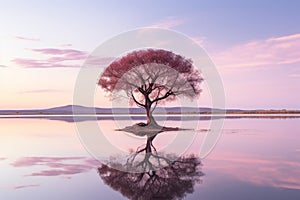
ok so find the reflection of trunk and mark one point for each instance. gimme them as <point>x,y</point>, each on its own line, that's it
<point>149,144</point>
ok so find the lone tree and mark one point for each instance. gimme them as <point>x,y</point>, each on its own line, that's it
<point>151,76</point>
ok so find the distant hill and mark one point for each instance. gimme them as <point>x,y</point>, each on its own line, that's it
<point>68,110</point>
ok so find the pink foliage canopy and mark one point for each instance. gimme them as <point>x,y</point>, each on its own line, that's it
<point>152,75</point>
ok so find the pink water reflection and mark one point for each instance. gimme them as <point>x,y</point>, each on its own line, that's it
<point>44,153</point>
<point>260,152</point>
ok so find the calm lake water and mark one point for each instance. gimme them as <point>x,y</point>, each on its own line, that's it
<point>253,159</point>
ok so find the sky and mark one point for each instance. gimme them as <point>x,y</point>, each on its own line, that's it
<point>255,46</point>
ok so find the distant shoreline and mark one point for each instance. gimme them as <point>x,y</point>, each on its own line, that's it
<point>82,110</point>
<point>141,117</point>
<point>157,114</point>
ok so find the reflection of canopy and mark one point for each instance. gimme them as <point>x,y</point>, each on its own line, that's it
<point>171,182</point>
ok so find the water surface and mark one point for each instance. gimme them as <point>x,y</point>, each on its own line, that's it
<point>257,158</point>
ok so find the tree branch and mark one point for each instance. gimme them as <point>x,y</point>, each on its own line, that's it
<point>129,83</point>
<point>158,93</point>
<point>163,97</point>
<point>136,101</point>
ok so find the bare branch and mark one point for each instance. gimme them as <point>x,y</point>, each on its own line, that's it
<point>129,83</point>
<point>136,101</point>
<point>163,97</point>
<point>139,75</point>
<point>155,104</point>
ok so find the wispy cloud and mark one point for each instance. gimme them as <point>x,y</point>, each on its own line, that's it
<point>3,159</point>
<point>168,22</point>
<point>20,186</point>
<point>57,166</point>
<point>294,75</point>
<point>66,45</point>
<point>26,38</point>
<point>41,91</point>
<point>3,66</point>
<point>199,40</point>
<point>73,53</point>
<point>56,58</point>
<point>267,172</point>
<point>31,161</point>
<point>31,63</point>
<point>261,53</point>
<point>285,38</point>
<point>99,60</point>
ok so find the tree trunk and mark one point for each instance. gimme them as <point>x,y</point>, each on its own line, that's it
<point>149,115</point>
<point>148,104</point>
<point>150,118</point>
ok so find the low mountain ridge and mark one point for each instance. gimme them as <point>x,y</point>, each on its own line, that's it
<point>78,109</point>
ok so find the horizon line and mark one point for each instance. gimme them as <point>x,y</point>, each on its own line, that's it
<point>66,105</point>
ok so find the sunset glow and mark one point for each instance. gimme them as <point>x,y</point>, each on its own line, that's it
<point>41,53</point>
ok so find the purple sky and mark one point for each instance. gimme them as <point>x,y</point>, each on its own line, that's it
<point>255,46</point>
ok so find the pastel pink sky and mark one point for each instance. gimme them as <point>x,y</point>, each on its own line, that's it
<point>39,66</point>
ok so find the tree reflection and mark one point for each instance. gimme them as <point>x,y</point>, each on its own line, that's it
<point>160,176</point>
